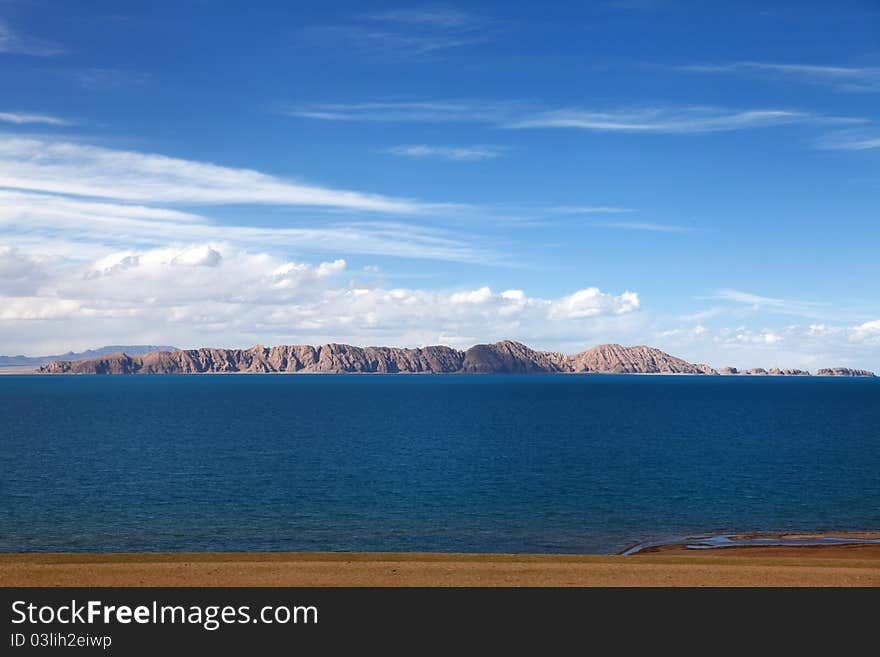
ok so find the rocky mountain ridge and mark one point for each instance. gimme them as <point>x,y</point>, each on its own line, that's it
<point>843,371</point>
<point>502,357</point>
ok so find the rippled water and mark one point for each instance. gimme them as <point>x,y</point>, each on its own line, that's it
<point>441,463</point>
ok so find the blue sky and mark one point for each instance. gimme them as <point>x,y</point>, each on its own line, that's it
<point>702,179</point>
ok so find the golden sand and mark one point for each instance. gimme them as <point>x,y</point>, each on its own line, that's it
<point>832,565</point>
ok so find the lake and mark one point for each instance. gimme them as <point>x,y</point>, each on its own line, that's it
<point>497,463</point>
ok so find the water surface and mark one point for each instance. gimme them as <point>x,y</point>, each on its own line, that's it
<point>555,463</point>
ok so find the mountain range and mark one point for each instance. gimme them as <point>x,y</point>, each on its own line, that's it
<point>502,357</point>
<point>36,361</point>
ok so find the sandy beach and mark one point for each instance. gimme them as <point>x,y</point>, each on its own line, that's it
<point>829,565</point>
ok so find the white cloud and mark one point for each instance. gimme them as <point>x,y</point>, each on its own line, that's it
<point>642,226</point>
<point>13,42</point>
<point>403,33</point>
<point>108,79</point>
<point>770,337</point>
<point>599,209</point>
<point>514,115</point>
<point>73,225</point>
<point>171,276</point>
<point>850,140</point>
<point>24,309</point>
<point>769,304</point>
<point>808,347</point>
<point>20,275</point>
<point>457,153</point>
<point>83,170</point>
<point>728,294</point>
<point>22,118</point>
<point>442,17</point>
<point>844,78</point>
<point>664,120</point>
<point>473,297</point>
<point>869,332</point>
<point>431,111</point>
<point>214,293</point>
<point>591,302</point>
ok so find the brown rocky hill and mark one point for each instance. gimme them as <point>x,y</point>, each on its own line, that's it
<point>330,358</point>
<point>512,357</point>
<point>501,357</point>
<point>506,356</point>
<point>843,371</point>
<point>633,360</point>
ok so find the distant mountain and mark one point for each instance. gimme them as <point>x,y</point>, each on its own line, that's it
<point>843,371</point>
<point>499,358</point>
<point>36,361</point>
<point>502,357</point>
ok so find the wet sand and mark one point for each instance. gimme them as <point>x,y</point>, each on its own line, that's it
<point>831,565</point>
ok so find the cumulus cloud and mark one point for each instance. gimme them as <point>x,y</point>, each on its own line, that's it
<point>19,309</point>
<point>867,332</point>
<point>215,293</point>
<point>808,346</point>
<point>591,302</point>
<point>191,274</point>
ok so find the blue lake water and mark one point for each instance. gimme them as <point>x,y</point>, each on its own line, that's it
<point>437,463</point>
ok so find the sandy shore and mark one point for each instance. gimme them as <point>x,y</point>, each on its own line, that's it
<point>837,565</point>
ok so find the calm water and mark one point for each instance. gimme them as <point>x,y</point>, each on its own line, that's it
<point>443,463</point>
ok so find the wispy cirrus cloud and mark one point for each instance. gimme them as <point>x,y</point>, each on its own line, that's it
<point>589,209</point>
<point>642,226</point>
<point>108,79</point>
<point>686,120</point>
<point>850,140</point>
<point>86,170</point>
<point>634,4</point>
<point>25,118</point>
<point>76,226</point>
<point>440,17</point>
<point>517,115</point>
<point>406,33</point>
<point>455,153</point>
<point>421,111</point>
<point>773,305</point>
<point>16,43</point>
<point>843,78</point>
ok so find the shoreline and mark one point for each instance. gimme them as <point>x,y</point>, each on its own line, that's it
<point>734,542</point>
<point>742,563</point>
